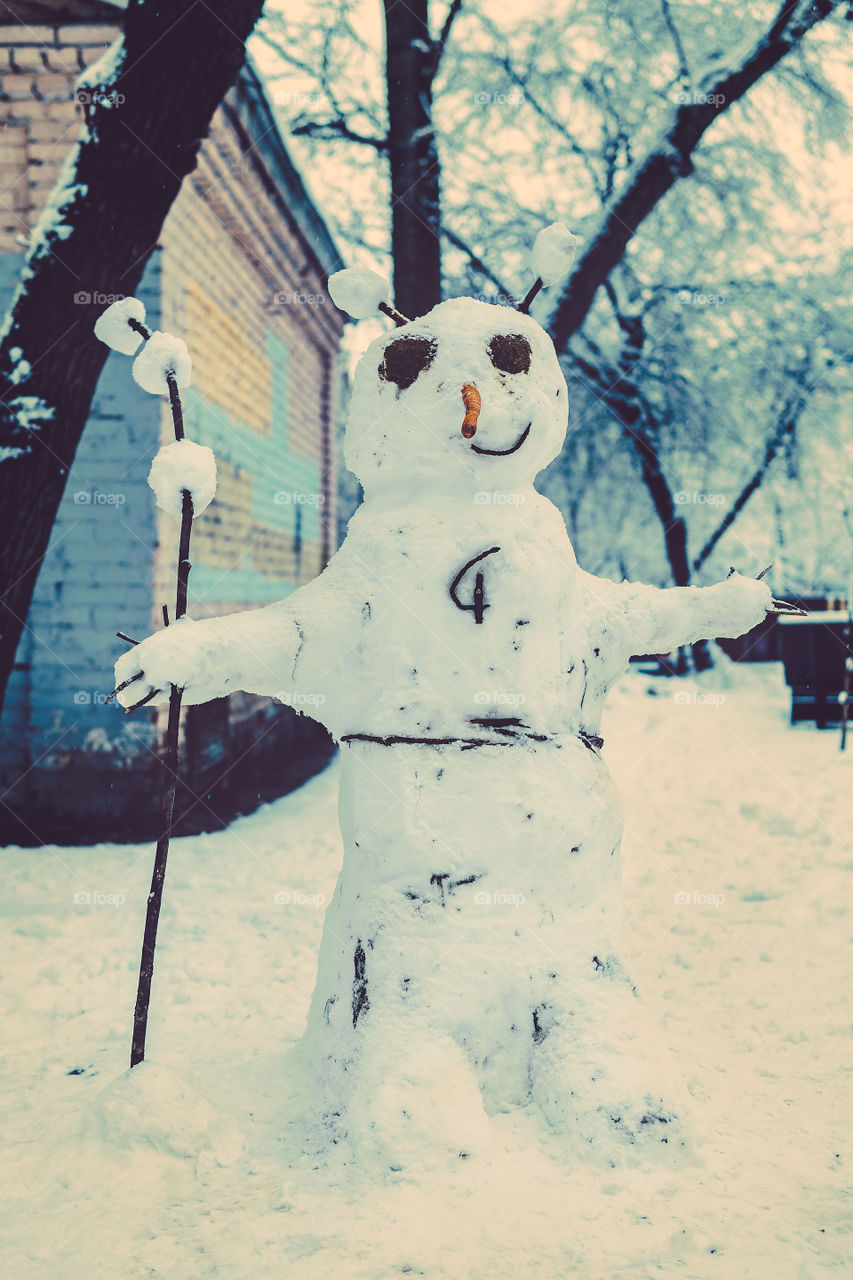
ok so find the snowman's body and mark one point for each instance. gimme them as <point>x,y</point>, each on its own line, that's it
<point>479,899</point>
<point>471,955</point>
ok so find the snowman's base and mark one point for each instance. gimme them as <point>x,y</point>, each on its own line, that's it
<point>411,1098</point>
<point>469,962</point>
<point>607,1116</point>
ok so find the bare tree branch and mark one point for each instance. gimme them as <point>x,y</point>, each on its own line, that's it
<point>783,430</point>
<point>476,262</point>
<point>618,391</point>
<point>274,33</point>
<point>327,129</point>
<point>522,82</point>
<point>671,159</point>
<point>683,66</point>
<point>440,43</point>
<point>283,49</point>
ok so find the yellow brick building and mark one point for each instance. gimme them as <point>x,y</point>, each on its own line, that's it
<point>240,272</point>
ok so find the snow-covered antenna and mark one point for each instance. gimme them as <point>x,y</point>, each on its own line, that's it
<point>361,293</point>
<point>183,477</point>
<point>551,259</point>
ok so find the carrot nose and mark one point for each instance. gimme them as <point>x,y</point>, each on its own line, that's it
<point>473,404</point>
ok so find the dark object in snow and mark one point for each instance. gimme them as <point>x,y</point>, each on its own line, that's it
<point>405,358</point>
<point>360,1002</point>
<point>510,353</point>
<point>844,696</point>
<point>815,647</point>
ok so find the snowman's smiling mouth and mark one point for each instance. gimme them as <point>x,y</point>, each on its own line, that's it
<point>503,452</point>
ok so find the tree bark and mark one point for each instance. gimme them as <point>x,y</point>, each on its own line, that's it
<point>620,393</point>
<point>671,158</point>
<point>411,61</point>
<point>142,132</point>
<point>622,397</point>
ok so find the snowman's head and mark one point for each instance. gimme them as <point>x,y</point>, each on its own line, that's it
<point>470,397</point>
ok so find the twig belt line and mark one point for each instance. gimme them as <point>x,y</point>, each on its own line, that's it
<point>590,740</point>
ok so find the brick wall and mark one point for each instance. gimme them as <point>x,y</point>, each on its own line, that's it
<point>239,284</point>
<point>239,278</point>
<point>39,115</point>
<point>260,364</point>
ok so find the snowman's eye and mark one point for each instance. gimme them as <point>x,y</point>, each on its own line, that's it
<point>405,358</point>
<point>510,353</point>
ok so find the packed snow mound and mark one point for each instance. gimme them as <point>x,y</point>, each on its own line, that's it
<point>162,354</point>
<point>149,1106</point>
<point>113,329</point>
<point>358,291</point>
<point>553,253</point>
<point>181,465</point>
<point>766,1056</point>
<point>412,1112</point>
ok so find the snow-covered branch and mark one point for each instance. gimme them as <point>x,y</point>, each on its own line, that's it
<point>327,129</point>
<point>671,158</point>
<point>440,43</point>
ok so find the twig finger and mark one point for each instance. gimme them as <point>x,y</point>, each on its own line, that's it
<point>782,606</point>
<point>142,701</point>
<point>121,686</point>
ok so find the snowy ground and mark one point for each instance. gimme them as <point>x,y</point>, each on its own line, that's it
<point>725,804</point>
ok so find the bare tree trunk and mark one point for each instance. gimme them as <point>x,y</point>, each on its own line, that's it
<point>143,131</point>
<point>671,158</point>
<point>619,391</point>
<point>411,60</point>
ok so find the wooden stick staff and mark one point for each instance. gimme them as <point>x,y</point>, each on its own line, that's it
<point>129,315</point>
<point>170,781</point>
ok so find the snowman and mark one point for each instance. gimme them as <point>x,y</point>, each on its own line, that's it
<point>471,961</point>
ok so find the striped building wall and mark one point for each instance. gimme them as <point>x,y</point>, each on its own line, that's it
<point>240,273</point>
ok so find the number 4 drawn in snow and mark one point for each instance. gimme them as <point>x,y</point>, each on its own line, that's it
<point>479,605</point>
